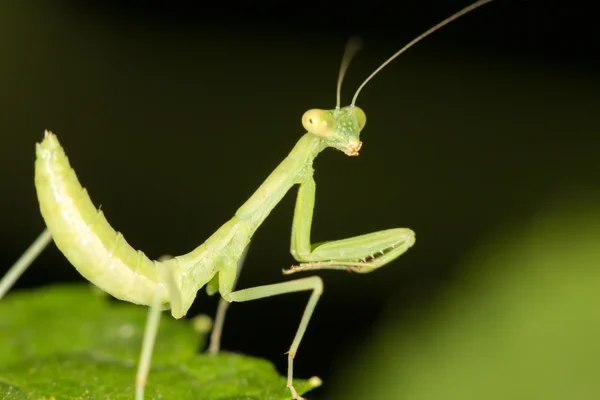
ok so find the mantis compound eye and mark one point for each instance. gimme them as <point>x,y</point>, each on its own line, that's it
<point>318,122</point>
<point>360,116</point>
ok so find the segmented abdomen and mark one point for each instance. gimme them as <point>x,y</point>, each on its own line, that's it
<point>83,234</point>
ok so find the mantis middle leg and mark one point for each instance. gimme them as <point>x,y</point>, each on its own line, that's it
<point>362,253</point>
<point>215,337</point>
<point>313,283</point>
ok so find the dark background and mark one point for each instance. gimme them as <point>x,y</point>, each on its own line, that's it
<point>172,114</point>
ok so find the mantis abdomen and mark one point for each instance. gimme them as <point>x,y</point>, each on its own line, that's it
<point>103,256</point>
<point>82,233</point>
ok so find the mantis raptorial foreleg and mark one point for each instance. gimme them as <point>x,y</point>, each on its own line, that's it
<point>362,253</point>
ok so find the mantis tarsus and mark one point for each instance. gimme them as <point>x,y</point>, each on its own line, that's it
<point>102,255</point>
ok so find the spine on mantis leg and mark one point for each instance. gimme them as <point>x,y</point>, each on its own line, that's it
<point>82,233</point>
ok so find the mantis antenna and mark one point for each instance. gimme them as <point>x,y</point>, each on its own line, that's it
<point>352,47</point>
<point>445,22</point>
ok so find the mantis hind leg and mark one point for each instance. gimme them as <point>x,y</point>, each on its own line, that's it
<point>17,269</point>
<point>363,253</point>
<point>150,332</point>
<point>313,283</point>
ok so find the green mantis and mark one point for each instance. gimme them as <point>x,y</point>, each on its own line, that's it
<point>103,256</point>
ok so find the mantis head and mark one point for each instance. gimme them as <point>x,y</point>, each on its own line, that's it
<point>339,128</point>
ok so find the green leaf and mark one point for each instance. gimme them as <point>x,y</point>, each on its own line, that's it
<point>69,342</point>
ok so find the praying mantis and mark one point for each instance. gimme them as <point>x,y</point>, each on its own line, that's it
<point>103,256</point>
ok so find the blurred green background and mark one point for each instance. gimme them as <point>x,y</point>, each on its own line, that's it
<point>520,323</point>
<point>173,114</point>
